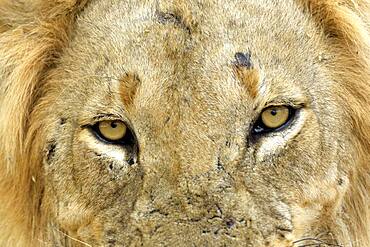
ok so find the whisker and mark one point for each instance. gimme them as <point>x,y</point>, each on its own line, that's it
<point>307,239</point>
<point>318,242</point>
<point>74,239</point>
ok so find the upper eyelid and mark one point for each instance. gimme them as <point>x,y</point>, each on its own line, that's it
<point>106,117</point>
<point>289,103</point>
<point>102,117</point>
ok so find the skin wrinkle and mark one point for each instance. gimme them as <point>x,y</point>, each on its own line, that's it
<point>168,70</point>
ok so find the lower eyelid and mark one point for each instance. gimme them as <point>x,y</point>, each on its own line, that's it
<point>118,152</point>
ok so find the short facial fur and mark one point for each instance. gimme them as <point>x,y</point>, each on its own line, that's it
<point>190,79</point>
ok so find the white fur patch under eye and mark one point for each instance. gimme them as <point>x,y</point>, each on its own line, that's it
<point>274,143</point>
<point>115,152</point>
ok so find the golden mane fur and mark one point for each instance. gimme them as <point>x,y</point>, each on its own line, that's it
<point>347,25</point>
<point>46,24</point>
<point>32,37</point>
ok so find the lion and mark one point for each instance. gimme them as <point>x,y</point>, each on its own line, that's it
<point>185,123</point>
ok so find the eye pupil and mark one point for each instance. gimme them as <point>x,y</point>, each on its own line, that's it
<point>273,112</point>
<point>113,125</point>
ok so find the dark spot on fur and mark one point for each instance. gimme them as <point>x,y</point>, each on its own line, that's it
<point>283,230</point>
<point>131,161</point>
<point>111,232</point>
<point>41,196</point>
<point>63,121</point>
<point>228,144</point>
<point>111,242</point>
<point>230,223</point>
<point>172,18</point>
<point>111,237</point>
<point>243,60</point>
<point>340,181</point>
<point>111,166</point>
<point>50,151</point>
<point>167,120</point>
<point>219,165</point>
<point>165,18</point>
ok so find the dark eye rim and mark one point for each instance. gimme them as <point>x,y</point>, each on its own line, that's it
<point>259,128</point>
<point>128,140</point>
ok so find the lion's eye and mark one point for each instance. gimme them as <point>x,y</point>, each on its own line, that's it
<point>273,118</point>
<point>111,131</point>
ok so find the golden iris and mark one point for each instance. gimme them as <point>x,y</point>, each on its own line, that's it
<point>112,130</point>
<point>275,116</point>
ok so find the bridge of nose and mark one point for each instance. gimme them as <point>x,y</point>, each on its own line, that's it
<point>186,145</point>
<point>186,151</point>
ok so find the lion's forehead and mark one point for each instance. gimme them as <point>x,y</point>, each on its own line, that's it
<point>184,45</point>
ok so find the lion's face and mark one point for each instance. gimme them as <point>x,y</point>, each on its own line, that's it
<point>190,85</point>
<point>184,123</point>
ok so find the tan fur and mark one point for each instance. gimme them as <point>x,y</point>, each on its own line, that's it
<point>175,78</point>
<point>250,79</point>
<point>129,86</point>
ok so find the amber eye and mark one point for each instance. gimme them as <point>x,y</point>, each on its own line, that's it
<point>273,118</point>
<point>112,130</point>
